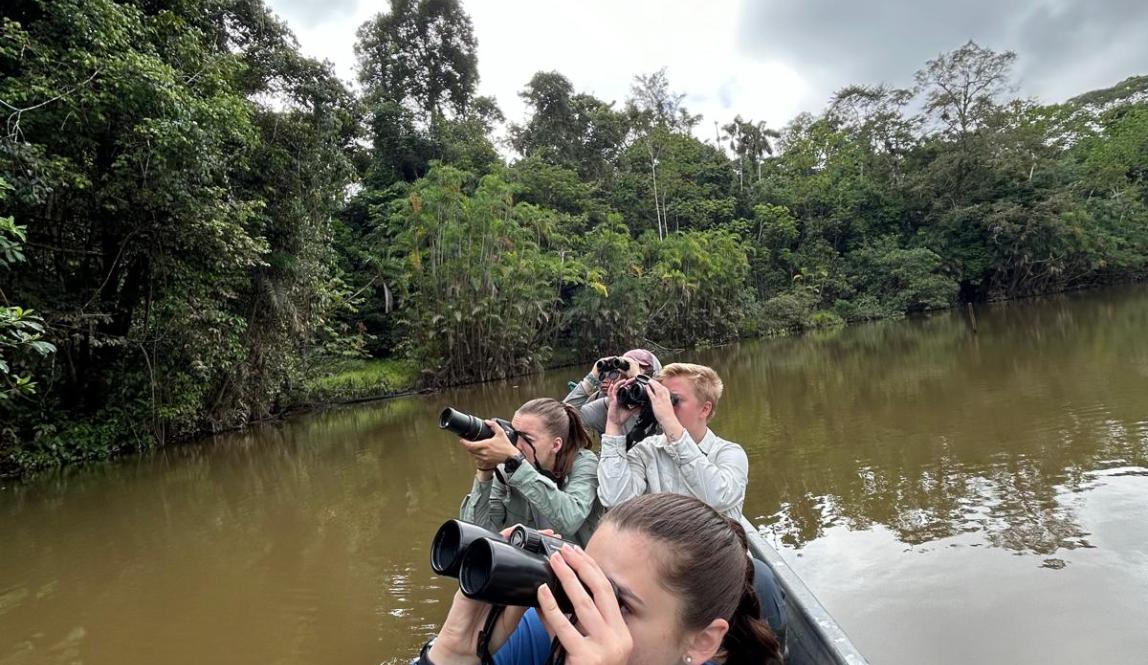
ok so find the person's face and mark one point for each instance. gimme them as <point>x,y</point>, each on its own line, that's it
<point>543,448</point>
<point>630,560</point>
<point>690,409</point>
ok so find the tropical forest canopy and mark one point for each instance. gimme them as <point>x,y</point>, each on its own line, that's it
<point>196,218</point>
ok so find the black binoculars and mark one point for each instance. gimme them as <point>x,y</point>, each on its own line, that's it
<point>496,570</point>
<point>472,428</point>
<point>615,364</point>
<point>634,395</point>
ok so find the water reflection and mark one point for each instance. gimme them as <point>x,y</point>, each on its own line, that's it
<point>931,431</point>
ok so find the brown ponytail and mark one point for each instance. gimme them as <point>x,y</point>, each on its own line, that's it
<point>749,640</point>
<point>565,421</point>
<point>707,567</point>
<point>578,437</point>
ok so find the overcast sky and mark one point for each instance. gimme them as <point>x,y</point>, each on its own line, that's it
<point>765,59</point>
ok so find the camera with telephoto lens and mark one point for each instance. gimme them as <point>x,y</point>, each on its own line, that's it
<point>472,428</point>
<point>494,570</point>
<point>617,364</point>
<point>634,395</point>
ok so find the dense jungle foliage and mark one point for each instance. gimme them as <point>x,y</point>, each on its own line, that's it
<point>197,221</point>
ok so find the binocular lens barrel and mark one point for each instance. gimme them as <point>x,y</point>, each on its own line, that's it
<point>611,364</point>
<point>464,425</point>
<point>498,573</point>
<point>634,394</point>
<point>451,542</point>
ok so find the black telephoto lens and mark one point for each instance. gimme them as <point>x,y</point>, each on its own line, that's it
<point>465,425</point>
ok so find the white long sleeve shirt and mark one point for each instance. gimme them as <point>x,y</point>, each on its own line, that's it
<point>714,470</point>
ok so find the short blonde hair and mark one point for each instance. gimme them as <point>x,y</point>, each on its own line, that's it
<point>706,382</point>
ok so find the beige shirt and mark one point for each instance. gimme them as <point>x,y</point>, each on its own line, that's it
<point>714,470</point>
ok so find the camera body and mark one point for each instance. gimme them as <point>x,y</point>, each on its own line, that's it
<point>472,428</point>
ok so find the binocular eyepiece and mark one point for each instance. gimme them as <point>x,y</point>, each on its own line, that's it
<point>472,428</point>
<point>497,571</point>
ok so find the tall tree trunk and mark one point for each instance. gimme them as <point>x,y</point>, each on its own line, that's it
<point>654,178</point>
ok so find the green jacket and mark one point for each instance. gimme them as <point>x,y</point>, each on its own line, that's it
<point>534,500</point>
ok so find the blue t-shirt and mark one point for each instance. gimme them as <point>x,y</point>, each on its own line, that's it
<point>529,644</point>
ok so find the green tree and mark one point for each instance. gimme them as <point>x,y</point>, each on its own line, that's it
<point>656,113</point>
<point>176,167</point>
<point>21,330</point>
<point>577,131</point>
<point>610,309</point>
<point>419,70</point>
<point>751,142</point>
<point>698,280</point>
<point>961,92</point>
<point>421,55</point>
<point>479,291</point>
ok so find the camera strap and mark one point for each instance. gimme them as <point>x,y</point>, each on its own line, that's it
<point>642,428</point>
<point>487,634</point>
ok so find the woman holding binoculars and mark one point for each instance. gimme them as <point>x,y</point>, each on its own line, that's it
<point>664,581</point>
<point>589,394</point>
<point>546,479</point>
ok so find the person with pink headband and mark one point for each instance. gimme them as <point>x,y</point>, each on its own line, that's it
<point>589,394</point>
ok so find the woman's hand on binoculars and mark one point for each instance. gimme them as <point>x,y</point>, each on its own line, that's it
<point>457,641</point>
<point>615,414</point>
<point>663,406</point>
<point>489,453</point>
<point>601,637</point>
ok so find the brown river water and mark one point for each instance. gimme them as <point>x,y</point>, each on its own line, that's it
<point>950,497</point>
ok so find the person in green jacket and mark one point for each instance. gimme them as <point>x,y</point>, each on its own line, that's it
<point>548,480</point>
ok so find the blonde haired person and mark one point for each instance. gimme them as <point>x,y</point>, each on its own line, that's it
<point>687,458</point>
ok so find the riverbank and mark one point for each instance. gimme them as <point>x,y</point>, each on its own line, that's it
<point>345,382</point>
<point>358,380</point>
<point>340,383</point>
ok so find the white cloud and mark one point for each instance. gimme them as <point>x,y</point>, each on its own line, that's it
<point>600,45</point>
<point>764,59</point>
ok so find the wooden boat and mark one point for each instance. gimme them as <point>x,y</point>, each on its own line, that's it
<point>813,636</point>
